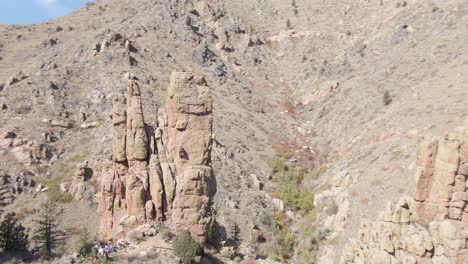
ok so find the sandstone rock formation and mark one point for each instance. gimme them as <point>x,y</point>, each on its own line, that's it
<point>433,226</point>
<point>165,177</point>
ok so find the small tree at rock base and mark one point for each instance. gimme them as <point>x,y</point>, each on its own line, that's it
<point>186,248</point>
<point>212,237</point>
<point>13,235</point>
<point>387,98</point>
<point>235,234</point>
<point>4,198</point>
<point>48,235</point>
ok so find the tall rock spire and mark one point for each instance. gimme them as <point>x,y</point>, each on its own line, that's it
<point>190,124</point>
<point>173,181</point>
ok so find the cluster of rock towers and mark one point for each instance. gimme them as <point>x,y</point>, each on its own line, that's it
<point>432,227</point>
<point>161,174</point>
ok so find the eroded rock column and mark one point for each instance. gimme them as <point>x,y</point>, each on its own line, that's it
<point>168,178</point>
<point>137,183</point>
<point>431,227</point>
<point>189,128</point>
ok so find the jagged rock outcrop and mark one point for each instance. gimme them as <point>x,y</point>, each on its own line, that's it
<point>189,126</point>
<point>433,226</point>
<point>165,177</point>
<point>441,178</point>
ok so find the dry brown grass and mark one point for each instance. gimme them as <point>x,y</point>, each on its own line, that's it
<point>23,212</point>
<point>73,230</point>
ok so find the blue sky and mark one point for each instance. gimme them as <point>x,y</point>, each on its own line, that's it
<point>35,11</point>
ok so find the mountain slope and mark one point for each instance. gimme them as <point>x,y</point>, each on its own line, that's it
<point>301,80</point>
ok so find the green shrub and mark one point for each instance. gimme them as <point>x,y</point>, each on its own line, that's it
<point>62,171</point>
<point>85,243</point>
<point>186,248</point>
<point>54,194</point>
<point>166,234</point>
<point>212,237</point>
<point>307,225</point>
<point>235,234</point>
<point>21,110</point>
<point>289,187</point>
<point>283,242</point>
<point>387,98</point>
<point>306,251</point>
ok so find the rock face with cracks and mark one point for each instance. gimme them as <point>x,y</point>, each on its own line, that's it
<point>433,226</point>
<point>165,176</point>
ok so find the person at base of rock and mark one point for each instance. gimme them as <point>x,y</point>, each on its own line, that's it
<point>107,250</point>
<point>100,250</point>
<point>95,253</point>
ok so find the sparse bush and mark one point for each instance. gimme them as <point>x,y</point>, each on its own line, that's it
<point>5,198</point>
<point>85,245</point>
<point>295,7</point>
<point>267,220</point>
<point>289,188</point>
<point>186,248</point>
<point>324,234</point>
<point>284,242</point>
<point>56,196</point>
<point>387,98</point>
<point>293,3</point>
<point>13,235</point>
<point>21,109</point>
<point>258,237</point>
<point>331,208</point>
<point>306,251</point>
<point>212,237</point>
<point>307,226</point>
<point>23,212</point>
<point>235,232</point>
<point>288,24</point>
<point>166,234</point>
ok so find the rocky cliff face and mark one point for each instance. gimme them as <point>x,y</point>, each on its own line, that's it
<point>433,226</point>
<point>161,174</point>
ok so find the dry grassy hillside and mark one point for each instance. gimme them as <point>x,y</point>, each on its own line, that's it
<point>340,90</point>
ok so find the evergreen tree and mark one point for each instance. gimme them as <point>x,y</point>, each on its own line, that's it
<point>13,235</point>
<point>5,198</point>
<point>235,233</point>
<point>186,248</point>
<point>212,234</point>
<point>49,235</point>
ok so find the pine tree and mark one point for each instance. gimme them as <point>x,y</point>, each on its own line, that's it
<point>13,235</point>
<point>5,198</point>
<point>49,235</point>
<point>186,248</point>
<point>212,234</point>
<point>235,233</point>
